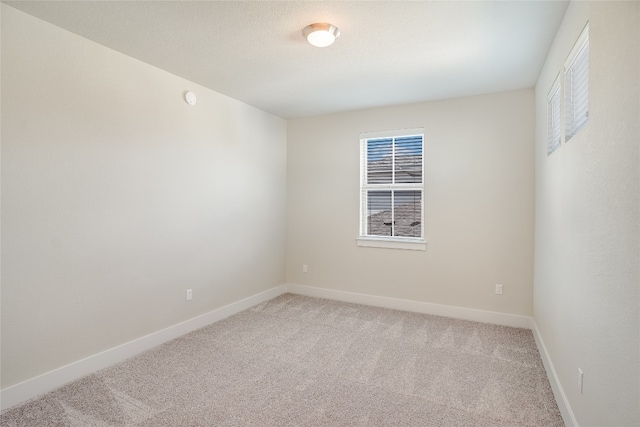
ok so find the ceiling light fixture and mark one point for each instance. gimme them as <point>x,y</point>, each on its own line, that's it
<point>321,34</point>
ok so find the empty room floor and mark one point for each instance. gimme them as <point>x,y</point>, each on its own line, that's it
<point>303,361</point>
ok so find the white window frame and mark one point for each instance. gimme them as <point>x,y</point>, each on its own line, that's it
<point>573,124</point>
<point>395,242</point>
<point>554,117</point>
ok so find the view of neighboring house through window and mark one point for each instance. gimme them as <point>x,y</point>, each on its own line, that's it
<point>392,189</point>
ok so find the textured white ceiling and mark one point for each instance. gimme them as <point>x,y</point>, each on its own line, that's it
<point>391,52</point>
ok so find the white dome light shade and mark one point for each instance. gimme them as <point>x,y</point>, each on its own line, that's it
<point>321,34</point>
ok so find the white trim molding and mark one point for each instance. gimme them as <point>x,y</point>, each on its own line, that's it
<point>46,382</point>
<point>392,133</point>
<point>372,242</point>
<point>505,319</point>
<point>561,398</point>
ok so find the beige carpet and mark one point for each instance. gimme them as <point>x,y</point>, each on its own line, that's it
<point>301,361</point>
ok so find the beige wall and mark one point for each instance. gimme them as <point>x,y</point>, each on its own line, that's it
<point>479,174</point>
<point>587,278</point>
<point>117,196</point>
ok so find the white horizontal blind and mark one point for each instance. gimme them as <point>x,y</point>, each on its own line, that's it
<point>554,137</point>
<point>576,86</point>
<point>391,201</point>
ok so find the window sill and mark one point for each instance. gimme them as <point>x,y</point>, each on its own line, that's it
<point>414,245</point>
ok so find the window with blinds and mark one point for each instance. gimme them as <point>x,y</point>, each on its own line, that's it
<point>576,86</point>
<point>554,138</point>
<point>391,186</point>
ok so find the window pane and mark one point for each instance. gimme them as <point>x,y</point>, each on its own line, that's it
<point>409,159</point>
<point>407,213</point>
<point>379,213</point>
<point>553,121</point>
<point>581,88</point>
<point>392,186</point>
<point>379,153</point>
<point>577,91</point>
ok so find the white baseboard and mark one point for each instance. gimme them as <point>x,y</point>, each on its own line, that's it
<point>561,398</point>
<point>483,316</point>
<point>44,383</point>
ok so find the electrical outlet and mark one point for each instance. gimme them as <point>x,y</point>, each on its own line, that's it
<point>189,294</point>
<point>499,289</point>
<point>580,380</point>
<point>305,268</point>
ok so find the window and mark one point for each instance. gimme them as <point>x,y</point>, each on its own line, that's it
<point>392,189</point>
<point>576,86</point>
<point>553,118</point>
